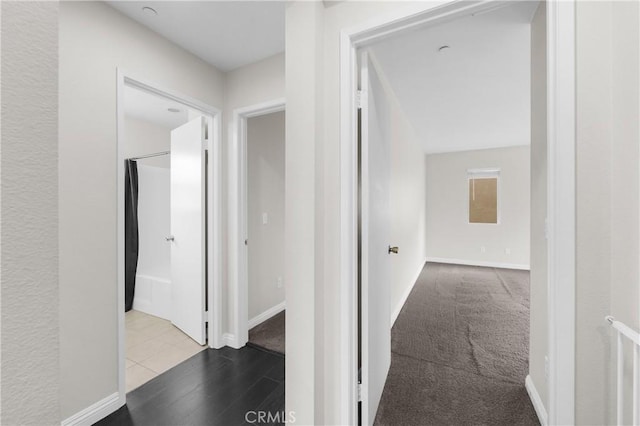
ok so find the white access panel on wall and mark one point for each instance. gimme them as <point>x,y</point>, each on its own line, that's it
<point>376,264</point>
<point>188,228</point>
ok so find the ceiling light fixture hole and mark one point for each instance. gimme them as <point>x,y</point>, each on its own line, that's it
<point>173,110</point>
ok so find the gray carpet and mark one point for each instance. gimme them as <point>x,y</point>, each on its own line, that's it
<point>270,333</point>
<point>460,350</point>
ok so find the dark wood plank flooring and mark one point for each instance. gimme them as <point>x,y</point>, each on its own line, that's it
<point>214,387</point>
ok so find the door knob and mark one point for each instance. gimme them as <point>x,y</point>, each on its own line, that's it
<point>169,238</point>
<point>393,250</point>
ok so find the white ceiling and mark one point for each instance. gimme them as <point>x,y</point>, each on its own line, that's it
<point>474,95</point>
<point>149,107</point>
<point>227,34</point>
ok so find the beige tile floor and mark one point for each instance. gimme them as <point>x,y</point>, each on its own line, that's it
<point>154,345</point>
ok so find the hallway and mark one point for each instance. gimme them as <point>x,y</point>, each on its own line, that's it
<point>460,349</point>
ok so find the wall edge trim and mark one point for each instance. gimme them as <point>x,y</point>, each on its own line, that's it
<point>480,263</point>
<point>95,412</point>
<point>538,405</point>
<point>271,312</point>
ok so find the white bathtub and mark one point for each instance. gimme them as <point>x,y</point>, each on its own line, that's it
<point>153,296</point>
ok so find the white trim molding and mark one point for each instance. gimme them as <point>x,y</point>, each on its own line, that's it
<point>237,217</point>
<point>561,192</point>
<point>269,313</point>
<point>95,412</point>
<point>534,396</point>
<point>405,295</point>
<point>561,209</point>
<point>483,263</point>
<point>230,340</point>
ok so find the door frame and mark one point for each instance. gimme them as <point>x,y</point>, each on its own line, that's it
<point>214,249</point>
<point>561,193</point>
<point>237,216</point>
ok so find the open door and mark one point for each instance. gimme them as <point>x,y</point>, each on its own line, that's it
<point>188,215</point>
<point>375,263</point>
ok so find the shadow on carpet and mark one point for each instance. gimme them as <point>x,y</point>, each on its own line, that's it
<point>459,350</point>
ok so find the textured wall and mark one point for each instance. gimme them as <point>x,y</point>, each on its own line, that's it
<point>538,330</point>
<point>29,200</point>
<point>96,40</point>
<point>303,136</point>
<point>607,199</point>
<point>593,211</point>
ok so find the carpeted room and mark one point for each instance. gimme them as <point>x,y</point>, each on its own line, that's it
<point>460,350</point>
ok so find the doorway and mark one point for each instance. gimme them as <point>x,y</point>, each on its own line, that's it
<point>267,310</point>
<point>561,146</point>
<point>265,230</point>
<point>168,230</point>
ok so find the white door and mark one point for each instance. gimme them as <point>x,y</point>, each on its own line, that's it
<point>376,265</point>
<point>188,229</point>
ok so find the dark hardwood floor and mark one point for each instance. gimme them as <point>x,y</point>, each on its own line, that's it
<point>214,387</point>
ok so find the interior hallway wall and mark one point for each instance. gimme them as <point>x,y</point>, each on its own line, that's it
<point>450,235</point>
<point>304,229</point>
<point>96,40</point>
<point>538,326</point>
<point>249,85</point>
<point>625,177</point>
<point>30,325</point>
<point>608,189</point>
<point>265,196</point>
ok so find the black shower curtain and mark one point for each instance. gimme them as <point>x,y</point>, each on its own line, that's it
<point>130,231</point>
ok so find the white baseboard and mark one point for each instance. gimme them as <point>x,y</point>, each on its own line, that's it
<point>95,412</point>
<point>260,318</point>
<point>405,296</point>
<point>230,340</point>
<point>538,405</point>
<point>479,263</point>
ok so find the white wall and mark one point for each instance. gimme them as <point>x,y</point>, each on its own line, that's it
<point>593,227</point>
<point>89,56</point>
<point>144,137</point>
<point>538,326</point>
<point>625,176</point>
<point>249,85</point>
<point>449,233</point>
<point>265,195</point>
<point>30,358</point>
<point>608,44</point>
<point>304,230</point>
